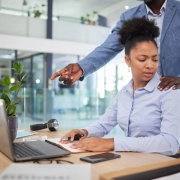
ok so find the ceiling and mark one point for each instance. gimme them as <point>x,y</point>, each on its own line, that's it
<point>75,8</point>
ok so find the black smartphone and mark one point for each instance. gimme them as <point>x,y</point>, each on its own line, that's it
<point>100,157</point>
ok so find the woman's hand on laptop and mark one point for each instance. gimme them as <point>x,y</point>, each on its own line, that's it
<point>74,134</point>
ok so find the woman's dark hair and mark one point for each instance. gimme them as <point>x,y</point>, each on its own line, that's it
<point>137,30</point>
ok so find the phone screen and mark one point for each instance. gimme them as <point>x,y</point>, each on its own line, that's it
<point>100,157</point>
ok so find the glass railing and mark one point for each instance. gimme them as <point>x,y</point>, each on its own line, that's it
<point>25,13</point>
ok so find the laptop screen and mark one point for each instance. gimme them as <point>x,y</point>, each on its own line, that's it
<point>5,141</point>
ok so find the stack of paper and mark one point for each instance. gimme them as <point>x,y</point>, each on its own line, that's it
<point>55,141</point>
<point>48,171</point>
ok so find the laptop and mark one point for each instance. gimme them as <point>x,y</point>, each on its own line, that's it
<point>24,151</point>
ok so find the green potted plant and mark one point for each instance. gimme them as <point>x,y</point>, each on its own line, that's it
<point>90,22</point>
<point>95,17</point>
<point>83,19</point>
<point>38,10</point>
<point>90,19</point>
<point>10,95</point>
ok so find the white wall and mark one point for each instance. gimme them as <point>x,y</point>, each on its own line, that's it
<point>79,32</point>
<point>44,45</point>
<point>13,25</point>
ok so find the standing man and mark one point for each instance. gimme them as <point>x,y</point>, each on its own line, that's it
<point>166,14</point>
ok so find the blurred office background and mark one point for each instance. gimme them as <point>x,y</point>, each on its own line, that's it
<point>45,36</point>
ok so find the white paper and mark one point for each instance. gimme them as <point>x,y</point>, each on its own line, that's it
<point>66,146</point>
<point>47,172</point>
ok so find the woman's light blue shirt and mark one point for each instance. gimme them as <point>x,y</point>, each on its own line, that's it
<point>150,120</point>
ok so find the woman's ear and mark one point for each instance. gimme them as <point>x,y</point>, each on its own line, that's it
<point>127,60</point>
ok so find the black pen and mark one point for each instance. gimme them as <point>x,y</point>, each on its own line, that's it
<point>76,137</point>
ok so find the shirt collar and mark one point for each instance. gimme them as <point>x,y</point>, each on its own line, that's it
<point>152,83</point>
<point>163,8</point>
<point>149,86</point>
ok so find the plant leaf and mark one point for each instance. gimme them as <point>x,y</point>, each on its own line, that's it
<point>3,83</point>
<point>5,91</point>
<point>23,77</point>
<point>19,83</point>
<point>6,99</point>
<point>18,67</point>
<point>15,66</point>
<point>14,88</point>
<point>11,110</point>
<point>7,80</point>
<point>21,68</point>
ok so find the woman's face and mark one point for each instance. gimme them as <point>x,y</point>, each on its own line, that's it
<point>143,60</point>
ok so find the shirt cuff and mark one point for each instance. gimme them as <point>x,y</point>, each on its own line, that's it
<point>93,133</point>
<point>82,77</point>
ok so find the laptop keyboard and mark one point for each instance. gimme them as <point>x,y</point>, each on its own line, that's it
<point>24,150</point>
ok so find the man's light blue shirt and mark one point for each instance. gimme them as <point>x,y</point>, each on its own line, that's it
<point>150,119</point>
<point>158,18</point>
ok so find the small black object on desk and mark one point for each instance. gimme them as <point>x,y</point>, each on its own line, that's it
<point>76,137</point>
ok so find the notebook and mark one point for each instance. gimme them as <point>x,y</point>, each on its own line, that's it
<point>24,133</point>
<point>67,147</point>
<point>28,150</point>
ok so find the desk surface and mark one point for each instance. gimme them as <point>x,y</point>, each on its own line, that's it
<point>127,160</point>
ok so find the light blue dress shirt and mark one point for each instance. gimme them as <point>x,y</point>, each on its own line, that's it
<point>150,119</point>
<point>158,18</point>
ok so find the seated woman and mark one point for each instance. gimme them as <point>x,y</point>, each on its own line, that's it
<point>149,118</point>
